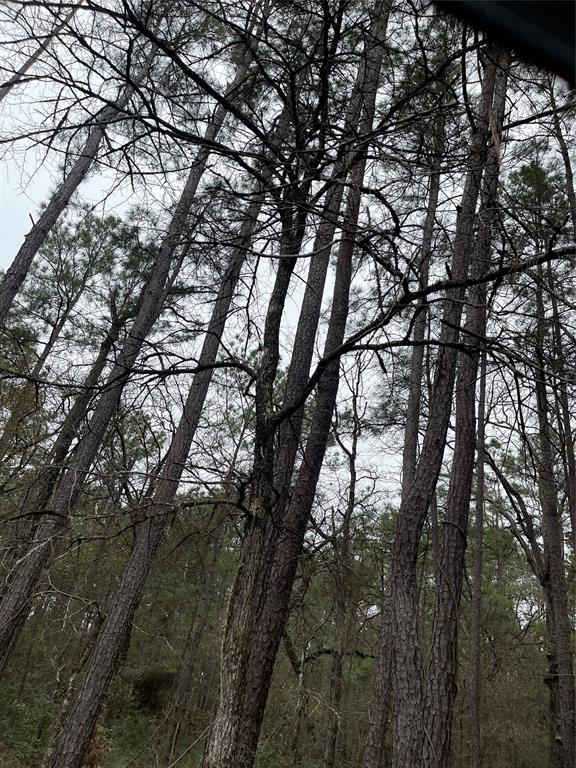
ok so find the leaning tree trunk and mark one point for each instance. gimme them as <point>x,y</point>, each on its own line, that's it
<point>18,270</point>
<point>18,414</point>
<point>408,725</point>
<point>85,709</point>
<point>14,606</point>
<point>179,705</point>
<point>39,493</point>
<point>289,431</point>
<point>222,747</point>
<point>285,543</point>
<point>272,471</point>
<point>443,661</point>
<point>18,76</point>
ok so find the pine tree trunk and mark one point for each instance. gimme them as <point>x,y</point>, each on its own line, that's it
<point>554,539</point>
<point>342,600</point>
<point>222,747</point>
<point>42,487</point>
<point>568,439</point>
<point>17,414</point>
<point>282,557</point>
<point>284,550</point>
<point>179,705</point>
<point>555,751</point>
<point>381,695</point>
<point>563,408</point>
<point>18,270</point>
<point>18,76</point>
<point>286,533</point>
<point>476,749</point>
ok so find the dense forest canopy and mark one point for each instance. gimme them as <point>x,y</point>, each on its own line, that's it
<point>287,390</point>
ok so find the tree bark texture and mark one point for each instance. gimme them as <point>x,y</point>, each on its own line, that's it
<point>285,540</point>
<point>222,747</point>
<point>408,724</point>
<point>381,695</point>
<point>273,612</point>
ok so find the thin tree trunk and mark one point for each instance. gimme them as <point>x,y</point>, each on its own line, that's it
<point>554,537</point>
<point>342,597</point>
<point>289,432</point>
<point>568,439</point>
<point>17,415</point>
<point>476,752</point>
<point>382,693</point>
<point>282,557</point>
<point>410,448</point>
<point>222,746</point>
<point>68,694</point>
<point>180,700</point>
<point>563,409</point>
<point>301,705</point>
<point>41,488</point>
<point>17,77</point>
<point>71,426</point>
<point>443,662</point>
<point>14,607</point>
<point>539,562</point>
<point>274,611</point>
<point>301,669</point>
<point>555,750</point>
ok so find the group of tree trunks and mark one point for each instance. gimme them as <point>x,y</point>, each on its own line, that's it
<point>298,144</point>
